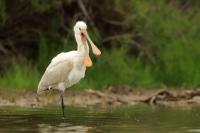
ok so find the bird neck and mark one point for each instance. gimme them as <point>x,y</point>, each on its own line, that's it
<point>80,45</point>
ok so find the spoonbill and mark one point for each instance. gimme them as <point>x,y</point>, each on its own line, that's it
<point>68,68</point>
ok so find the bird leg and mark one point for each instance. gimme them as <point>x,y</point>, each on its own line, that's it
<point>62,105</point>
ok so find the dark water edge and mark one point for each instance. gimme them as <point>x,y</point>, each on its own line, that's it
<point>140,119</point>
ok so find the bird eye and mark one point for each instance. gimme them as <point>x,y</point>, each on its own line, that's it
<point>80,29</point>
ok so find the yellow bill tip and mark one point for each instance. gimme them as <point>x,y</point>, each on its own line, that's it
<point>88,61</point>
<point>97,52</point>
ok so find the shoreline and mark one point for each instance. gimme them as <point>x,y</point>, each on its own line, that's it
<point>122,96</point>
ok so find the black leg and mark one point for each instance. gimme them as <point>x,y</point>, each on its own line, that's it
<point>62,105</point>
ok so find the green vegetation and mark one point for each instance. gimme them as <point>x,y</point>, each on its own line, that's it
<point>155,43</point>
<point>114,68</point>
<point>20,76</point>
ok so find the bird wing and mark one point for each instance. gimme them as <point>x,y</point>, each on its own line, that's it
<point>56,72</point>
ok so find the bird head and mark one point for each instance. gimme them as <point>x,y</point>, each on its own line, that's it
<point>80,29</point>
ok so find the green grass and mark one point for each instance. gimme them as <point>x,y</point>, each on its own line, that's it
<point>20,76</point>
<point>180,63</point>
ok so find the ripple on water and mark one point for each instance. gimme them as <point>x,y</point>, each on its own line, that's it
<point>194,130</point>
<point>63,128</point>
<point>139,119</point>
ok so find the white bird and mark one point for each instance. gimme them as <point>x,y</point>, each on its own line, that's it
<point>68,68</point>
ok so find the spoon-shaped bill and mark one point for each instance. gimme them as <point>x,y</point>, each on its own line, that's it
<point>95,50</point>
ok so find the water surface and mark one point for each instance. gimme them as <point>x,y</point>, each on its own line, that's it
<point>139,119</point>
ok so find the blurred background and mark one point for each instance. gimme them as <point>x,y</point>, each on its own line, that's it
<point>145,43</point>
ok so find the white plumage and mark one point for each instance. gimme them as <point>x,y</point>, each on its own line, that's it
<point>64,70</point>
<point>68,68</point>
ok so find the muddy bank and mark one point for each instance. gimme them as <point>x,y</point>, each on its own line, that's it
<point>122,96</point>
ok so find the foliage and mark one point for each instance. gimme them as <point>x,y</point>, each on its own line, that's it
<point>174,34</point>
<point>20,76</point>
<point>114,69</point>
<point>180,63</point>
<point>145,43</point>
<point>2,12</point>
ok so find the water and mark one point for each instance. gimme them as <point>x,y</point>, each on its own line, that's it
<point>139,119</point>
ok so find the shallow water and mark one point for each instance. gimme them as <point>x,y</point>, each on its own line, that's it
<point>139,119</point>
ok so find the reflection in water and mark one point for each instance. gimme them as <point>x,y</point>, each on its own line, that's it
<point>193,130</point>
<point>138,119</point>
<point>62,128</point>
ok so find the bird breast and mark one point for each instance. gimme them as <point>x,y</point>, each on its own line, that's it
<point>76,75</point>
<point>78,70</point>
